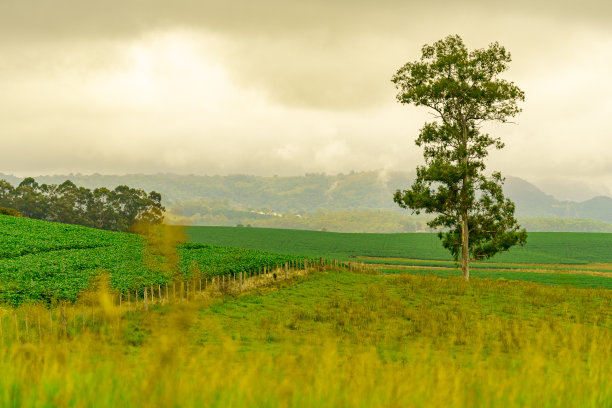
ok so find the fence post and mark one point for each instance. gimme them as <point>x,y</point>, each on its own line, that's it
<point>64,321</point>
<point>286,269</point>
<point>146,304</point>
<point>16,326</point>
<point>240,283</point>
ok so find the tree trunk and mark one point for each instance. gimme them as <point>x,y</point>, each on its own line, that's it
<point>465,249</point>
<point>465,233</point>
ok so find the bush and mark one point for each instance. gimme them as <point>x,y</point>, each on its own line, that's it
<point>10,211</point>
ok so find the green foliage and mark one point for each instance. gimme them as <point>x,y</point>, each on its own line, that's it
<point>52,261</point>
<point>464,90</point>
<point>9,211</point>
<point>215,260</point>
<point>115,210</point>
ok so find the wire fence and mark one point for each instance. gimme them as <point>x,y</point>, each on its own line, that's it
<point>37,322</point>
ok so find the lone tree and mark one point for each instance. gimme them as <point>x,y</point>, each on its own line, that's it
<point>464,91</point>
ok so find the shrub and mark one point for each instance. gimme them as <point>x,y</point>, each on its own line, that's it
<point>10,211</point>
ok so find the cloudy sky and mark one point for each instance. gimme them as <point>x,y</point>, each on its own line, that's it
<point>287,87</point>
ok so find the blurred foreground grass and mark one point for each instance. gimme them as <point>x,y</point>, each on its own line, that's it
<point>333,339</point>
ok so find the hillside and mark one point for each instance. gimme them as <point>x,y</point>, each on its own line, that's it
<point>234,199</point>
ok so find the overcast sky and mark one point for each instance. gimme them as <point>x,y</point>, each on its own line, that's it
<point>288,87</point>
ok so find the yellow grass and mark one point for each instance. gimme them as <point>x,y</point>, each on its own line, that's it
<point>332,339</point>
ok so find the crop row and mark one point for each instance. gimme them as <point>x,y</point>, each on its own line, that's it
<point>23,236</point>
<point>62,260</point>
<point>542,247</point>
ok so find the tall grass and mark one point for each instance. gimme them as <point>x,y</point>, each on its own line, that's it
<point>334,339</point>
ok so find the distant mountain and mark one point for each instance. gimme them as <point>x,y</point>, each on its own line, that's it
<point>10,178</point>
<point>597,208</point>
<point>530,201</point>
<point>372,190</point>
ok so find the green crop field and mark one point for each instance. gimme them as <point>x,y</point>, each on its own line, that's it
<point>546,258</point>
<point>51,261</point>
<point>542,247</point>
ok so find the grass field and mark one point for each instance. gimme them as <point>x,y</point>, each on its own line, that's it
<point>334,339</point>
<point>548,278</point>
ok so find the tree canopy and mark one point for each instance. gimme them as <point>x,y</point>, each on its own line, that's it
<point>116,210</point>
<point>463,89</point>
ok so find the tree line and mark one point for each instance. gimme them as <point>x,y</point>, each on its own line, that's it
<point>117,210</point>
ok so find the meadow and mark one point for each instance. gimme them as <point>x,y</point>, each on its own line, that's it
<point>332,338</point>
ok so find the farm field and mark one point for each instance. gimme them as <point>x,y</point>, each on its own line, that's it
<point>542,247</point>
<point>333,339</point>
<point>50,262</point>
<point>411,333</point>
<point>546,258</point>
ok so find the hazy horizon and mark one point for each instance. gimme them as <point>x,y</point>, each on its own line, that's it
<point>564,192</point>
<point>289,88</point>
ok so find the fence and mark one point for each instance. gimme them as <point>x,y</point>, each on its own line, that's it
<point>37,322</point>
